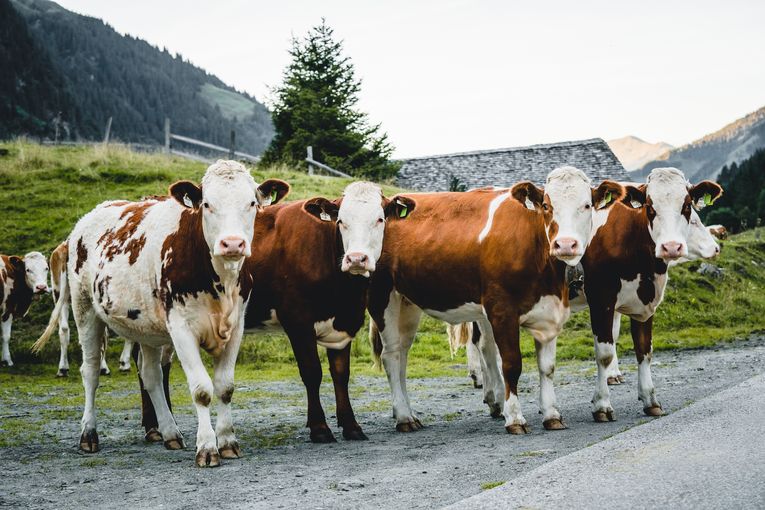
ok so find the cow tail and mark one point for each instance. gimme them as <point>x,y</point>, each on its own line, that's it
<point>55,316</point>
<point>376,341</point>
<point>458,335</point>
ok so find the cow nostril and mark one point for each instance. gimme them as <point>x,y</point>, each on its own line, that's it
<point>363,258</point>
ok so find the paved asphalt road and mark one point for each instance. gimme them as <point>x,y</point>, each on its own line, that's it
<point>716,462</point>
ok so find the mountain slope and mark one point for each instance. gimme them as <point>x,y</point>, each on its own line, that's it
<point>633,152</point>
<point>704,158</point>
<point>108,74</point>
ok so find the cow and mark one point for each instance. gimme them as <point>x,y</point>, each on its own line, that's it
<point>58,260</point>
<point>625,271</point>
<point>168,270</point>
<point>312,267</point>
<point>21,279</point>
<point>719,231</point>
<point>495,256</point>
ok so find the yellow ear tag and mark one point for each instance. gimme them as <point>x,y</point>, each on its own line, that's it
<point>606,200</point>
<point>708,199</point>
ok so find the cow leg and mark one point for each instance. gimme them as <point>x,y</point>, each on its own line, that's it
<point>506,328</point>
<point>6,331</point>
<point>125,356</point>
<point>642,333</point>
<point>602,320</point>
<point>340,368</point>
<point>63,337</point>
<point>307,356</point>
<point>90,330</point>
<point>613,374</point>
<point>493,382</point>
<point>401,320</point>
<point>548,406</point>
<point>104,368</point>
<point>151,374</point>
<point>201,388</point>
<point>474,358</point>
<point>223,383</point>
<point>148,416</point>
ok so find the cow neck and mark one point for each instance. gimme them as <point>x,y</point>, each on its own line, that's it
<point>20,296</point>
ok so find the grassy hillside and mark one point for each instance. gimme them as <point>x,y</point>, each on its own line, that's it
<point>46,190</point>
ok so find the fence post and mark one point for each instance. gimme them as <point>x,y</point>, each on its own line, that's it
<point>232,145</point>
<point>309,152</point>
<point>57,123</point>
<point>167,135</point>
<point>108,131</point>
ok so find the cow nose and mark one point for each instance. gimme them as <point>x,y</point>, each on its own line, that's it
<point>565,246</point>
<point>671,250</point>
<point>232,246</point>
<point>41,288</point>
<point>356,259</point>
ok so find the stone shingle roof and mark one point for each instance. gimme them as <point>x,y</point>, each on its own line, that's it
<point>505,167</point>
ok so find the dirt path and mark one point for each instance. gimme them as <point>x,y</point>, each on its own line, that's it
<point>460,449</point>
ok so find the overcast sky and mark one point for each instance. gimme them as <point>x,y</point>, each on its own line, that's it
<point>452,75</point>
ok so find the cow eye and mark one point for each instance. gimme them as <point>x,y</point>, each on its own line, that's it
<point>545,207</point>
<point>206,205</point>
<point>380,220</point>
<point>252,204</point>
<point>587,206</point>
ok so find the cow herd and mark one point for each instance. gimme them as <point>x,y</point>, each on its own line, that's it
<point>193,269</point>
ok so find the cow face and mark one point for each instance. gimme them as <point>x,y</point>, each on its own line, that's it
<point>573,202</point>
<point>361,216</point>
<point>668,200</point>
<point>228,200</point>
<point>701,243</point>
<point>36,272</point>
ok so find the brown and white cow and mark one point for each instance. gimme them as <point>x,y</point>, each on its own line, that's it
<point>625,270</point>
<point>58,260</point>
<point>311,269</point>
<point>20,280</point>
<point>719,231</point>
<point>497,257</point>
<point>169,270</point>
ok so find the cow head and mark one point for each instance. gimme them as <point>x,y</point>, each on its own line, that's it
<point>35,268</point>
<point>361,216</point>
<point>668,200</point>
<point>701,243</point>
<point>569,205</point>
<point>228,199</point>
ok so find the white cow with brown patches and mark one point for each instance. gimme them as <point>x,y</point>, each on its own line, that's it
<point>168,270</point>
<point>20,280</point>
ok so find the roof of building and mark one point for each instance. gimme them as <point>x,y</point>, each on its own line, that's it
<point>505,167</point>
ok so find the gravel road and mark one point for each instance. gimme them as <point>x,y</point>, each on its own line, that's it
<point>460,449</point>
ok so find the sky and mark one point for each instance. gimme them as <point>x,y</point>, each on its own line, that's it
<point>458,75</point>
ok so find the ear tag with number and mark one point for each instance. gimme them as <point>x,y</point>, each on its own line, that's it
<point>324,216</point>
<point>635,204</point>
<point>187,201</point>
<point>606,200</point>
<point>529,204</point>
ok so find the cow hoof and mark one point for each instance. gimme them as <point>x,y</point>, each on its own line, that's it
<point>476,384</point>
<point>653,411</point>
<point>4,363</point>
<point>153,436</point>
<point>106,371</point>
<point>613,381</point>
<point>89,441</point>
<point>410,426</point>
<point>322,436</point>
<point>603,416</point>
<point>554,424</point>
<point>175,443</point>
<point>62,372</point>
<point>230,451</point>
<point>495,410</point>
<point>621,378</point>
<point>518,429</point>
<point>354,434</point>
<point>124,368</point>
<point>207,457</point>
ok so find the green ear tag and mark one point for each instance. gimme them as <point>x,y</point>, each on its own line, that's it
<point>274,193</point>
<point>606,200</point>
<point>402,214</point>
<point>708,199</point>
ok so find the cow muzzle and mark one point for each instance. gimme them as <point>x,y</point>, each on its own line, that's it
<point>566,248</point>
<point>41,289</point>
<point>671,250</point>
<point>232,247</point>
<point>357,263</point>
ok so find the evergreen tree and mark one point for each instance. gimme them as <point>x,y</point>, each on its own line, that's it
<point>316,106</point>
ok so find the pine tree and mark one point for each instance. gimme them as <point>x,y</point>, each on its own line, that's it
<point>316,106</point>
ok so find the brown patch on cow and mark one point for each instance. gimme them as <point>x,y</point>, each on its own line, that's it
<point>13,282</point>
<point>57,263</point>
<point>226,396</point>
<point>202,398</point>
<point>82,256</point>
<point>117,241</point>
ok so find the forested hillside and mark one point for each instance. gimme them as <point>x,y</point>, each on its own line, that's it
<point>107,74</point>
<point>743,202</point>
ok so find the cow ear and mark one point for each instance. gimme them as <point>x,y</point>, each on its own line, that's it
<point>187,194</point>
<point>17,264</point>
<point>322,209</point>
<point>399,207</point>
<point>607,194</point>
<point>705,193</point>
<point>529,195</point>
<point>272,191</point>
<point>634,196</point>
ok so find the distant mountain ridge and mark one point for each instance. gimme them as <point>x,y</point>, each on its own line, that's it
<point>705,157</point>
<point>110,75</point>
<point>633,152</point>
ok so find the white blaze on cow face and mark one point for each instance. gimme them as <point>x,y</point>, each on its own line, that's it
<point>361,222</point>
<point>36,272</point>
<point>669,211</point>
<point>570,195</point>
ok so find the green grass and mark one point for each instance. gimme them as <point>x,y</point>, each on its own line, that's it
<point>490,485</point>
<point>230,103</point>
